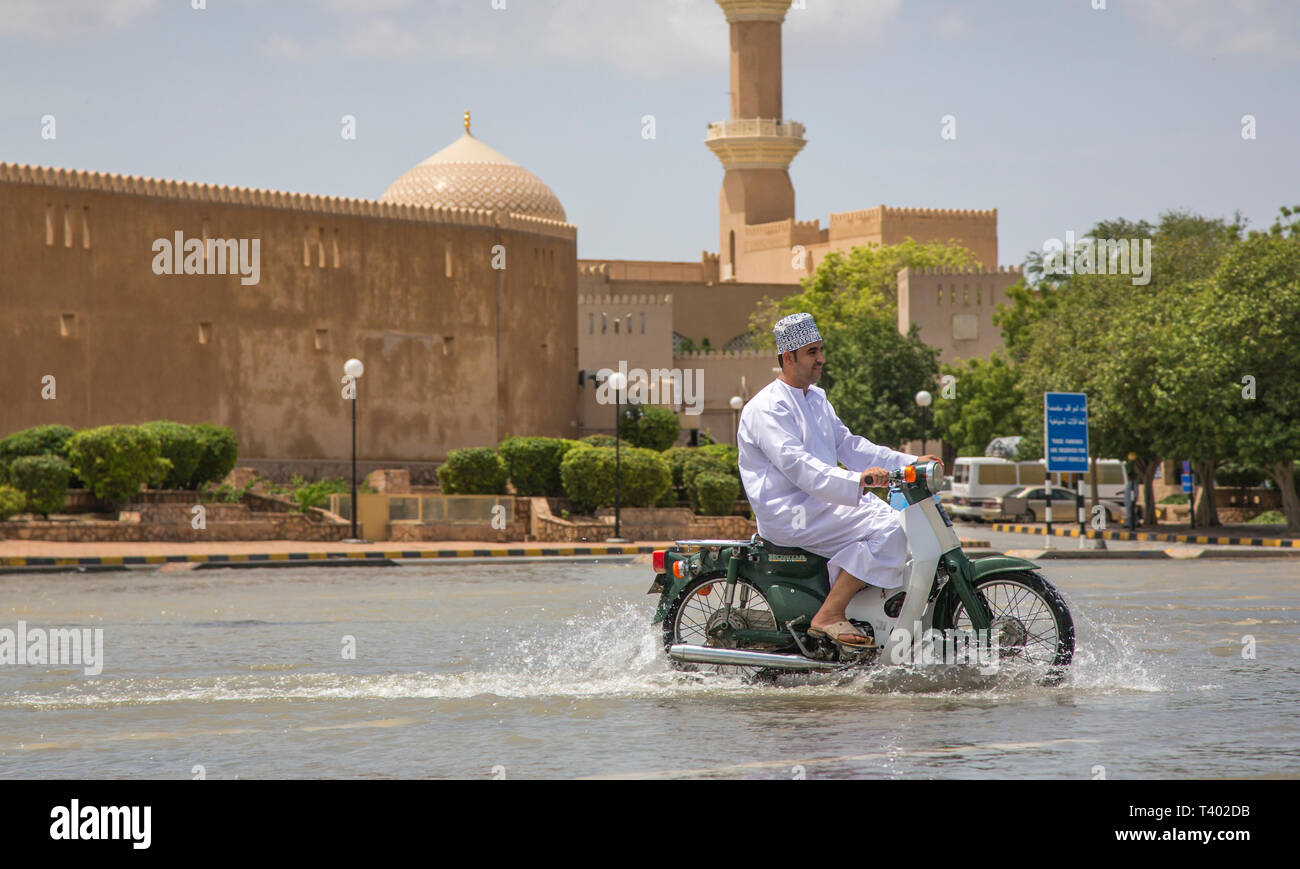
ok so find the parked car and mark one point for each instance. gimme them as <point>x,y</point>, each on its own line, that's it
<point>1029,504</point>
<point>978,484</point>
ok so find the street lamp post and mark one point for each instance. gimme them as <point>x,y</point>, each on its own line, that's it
<point>736,404</point>
<point>354,369</point>
<point>617,382</point>
<point>923,400</point>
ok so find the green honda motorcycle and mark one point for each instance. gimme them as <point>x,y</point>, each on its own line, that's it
<point>727,604</point>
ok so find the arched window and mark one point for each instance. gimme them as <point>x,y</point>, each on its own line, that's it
<point>731,251</point>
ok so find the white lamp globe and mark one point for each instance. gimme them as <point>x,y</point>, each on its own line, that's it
<point>923,399</point>
<point>737,402</point>
<point>354,368</point>
<point>618,381</point>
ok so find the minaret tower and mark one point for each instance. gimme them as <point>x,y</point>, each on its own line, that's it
<point>756,145</point>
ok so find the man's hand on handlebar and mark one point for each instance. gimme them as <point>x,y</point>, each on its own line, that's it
<point>875,478</point>
<point>929,458</point>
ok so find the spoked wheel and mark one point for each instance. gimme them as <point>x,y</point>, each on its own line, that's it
<point>1030,621</point>
<point>701,607</point>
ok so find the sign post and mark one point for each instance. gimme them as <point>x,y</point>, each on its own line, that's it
<point>1065,440</point>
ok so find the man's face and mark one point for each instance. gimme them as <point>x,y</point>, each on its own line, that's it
<point>806,365</point>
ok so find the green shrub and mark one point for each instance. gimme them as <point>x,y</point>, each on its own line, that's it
<point>676,458</point>
<point>1269,517</point>
<point>654,428</point>
<point>11,502</point>
<point>701,463</point>
<point>183,447</point>
<point>473,471</point>
<point>533,464</point>
<point>1239,476</point>
<point>38,441</point>
<point>717,493</point>
<point>729,454</point>
<point>317,494</point>
<point>1176,498</point>
<point>588,474</point>
<point>218,453</point>
<point>603,440</point>
<point>116,460</point>
<point>43,480</point>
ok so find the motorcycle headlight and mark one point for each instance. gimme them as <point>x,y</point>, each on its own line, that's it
<point>934,477</point>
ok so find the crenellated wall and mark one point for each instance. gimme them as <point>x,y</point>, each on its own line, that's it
<point>954,308</point>
<point>457,352</point>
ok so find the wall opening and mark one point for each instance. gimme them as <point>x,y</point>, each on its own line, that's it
<point>322,339</point>
<point>85,227</point>
<point>205,333</point>
<point>68,326</point>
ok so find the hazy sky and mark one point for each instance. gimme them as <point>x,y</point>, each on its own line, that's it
<point>1065,114</point>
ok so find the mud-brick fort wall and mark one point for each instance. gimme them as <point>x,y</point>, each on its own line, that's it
<point>457,352</point>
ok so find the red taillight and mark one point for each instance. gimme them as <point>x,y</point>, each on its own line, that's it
<point>658,560</point>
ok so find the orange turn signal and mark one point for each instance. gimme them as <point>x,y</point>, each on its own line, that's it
<point>909,474</point>
<point>677,569</point>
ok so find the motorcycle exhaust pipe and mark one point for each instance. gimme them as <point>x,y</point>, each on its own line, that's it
<point>741,658</point>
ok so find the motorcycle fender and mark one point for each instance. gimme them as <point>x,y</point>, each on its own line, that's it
<point>981,567</point>
<point>998,564</point>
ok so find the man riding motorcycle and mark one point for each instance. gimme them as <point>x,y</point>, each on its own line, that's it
<point>790,441</point>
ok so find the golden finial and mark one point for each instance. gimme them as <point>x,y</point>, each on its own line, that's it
<point>466,122</point>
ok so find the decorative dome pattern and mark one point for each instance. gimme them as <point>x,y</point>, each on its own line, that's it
<point>469,174</point>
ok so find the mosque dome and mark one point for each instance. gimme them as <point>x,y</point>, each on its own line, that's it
<point>469,174</point>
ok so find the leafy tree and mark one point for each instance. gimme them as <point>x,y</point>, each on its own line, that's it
<point>987,404</point>
<point>1255,335</point>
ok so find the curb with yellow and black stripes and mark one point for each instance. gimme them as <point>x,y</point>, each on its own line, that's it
<point>1207,539</point>
<point>278,559</point>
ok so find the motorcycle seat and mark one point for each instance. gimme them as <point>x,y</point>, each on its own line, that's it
<point>785,550</point>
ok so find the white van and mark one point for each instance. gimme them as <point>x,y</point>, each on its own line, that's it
<point>978,483</point>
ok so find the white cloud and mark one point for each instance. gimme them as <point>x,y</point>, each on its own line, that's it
<point>643,39</point>
<point>1266,28</point>
<point>59,19</point>
<point>284,46</point>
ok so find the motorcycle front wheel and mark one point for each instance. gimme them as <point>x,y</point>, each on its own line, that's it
<point>1029,619</point>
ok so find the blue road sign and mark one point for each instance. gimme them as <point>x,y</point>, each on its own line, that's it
<point>1065,431</point>
<point>1187,477</point>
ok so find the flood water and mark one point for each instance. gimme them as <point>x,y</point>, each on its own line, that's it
<point>552,670</point>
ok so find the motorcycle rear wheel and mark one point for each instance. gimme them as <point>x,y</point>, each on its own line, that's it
<point>1033,623</point>
<point>700,605</point>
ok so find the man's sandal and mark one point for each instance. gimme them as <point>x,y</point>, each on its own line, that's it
<point>845,633</point>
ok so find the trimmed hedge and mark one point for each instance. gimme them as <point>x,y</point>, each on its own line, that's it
<point>184,448</point>
<point>12,502</point>
<point>116,460</point>
<point>701,463</point>
<point>651,427</point>
<point>603,440</point>
<point>588,474</point>
<point>533,464</point>
<point>473,471</point>
<point>717,493</point>
<point>43,481</point>
<point>37,441</point>
<point>218,453</point>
